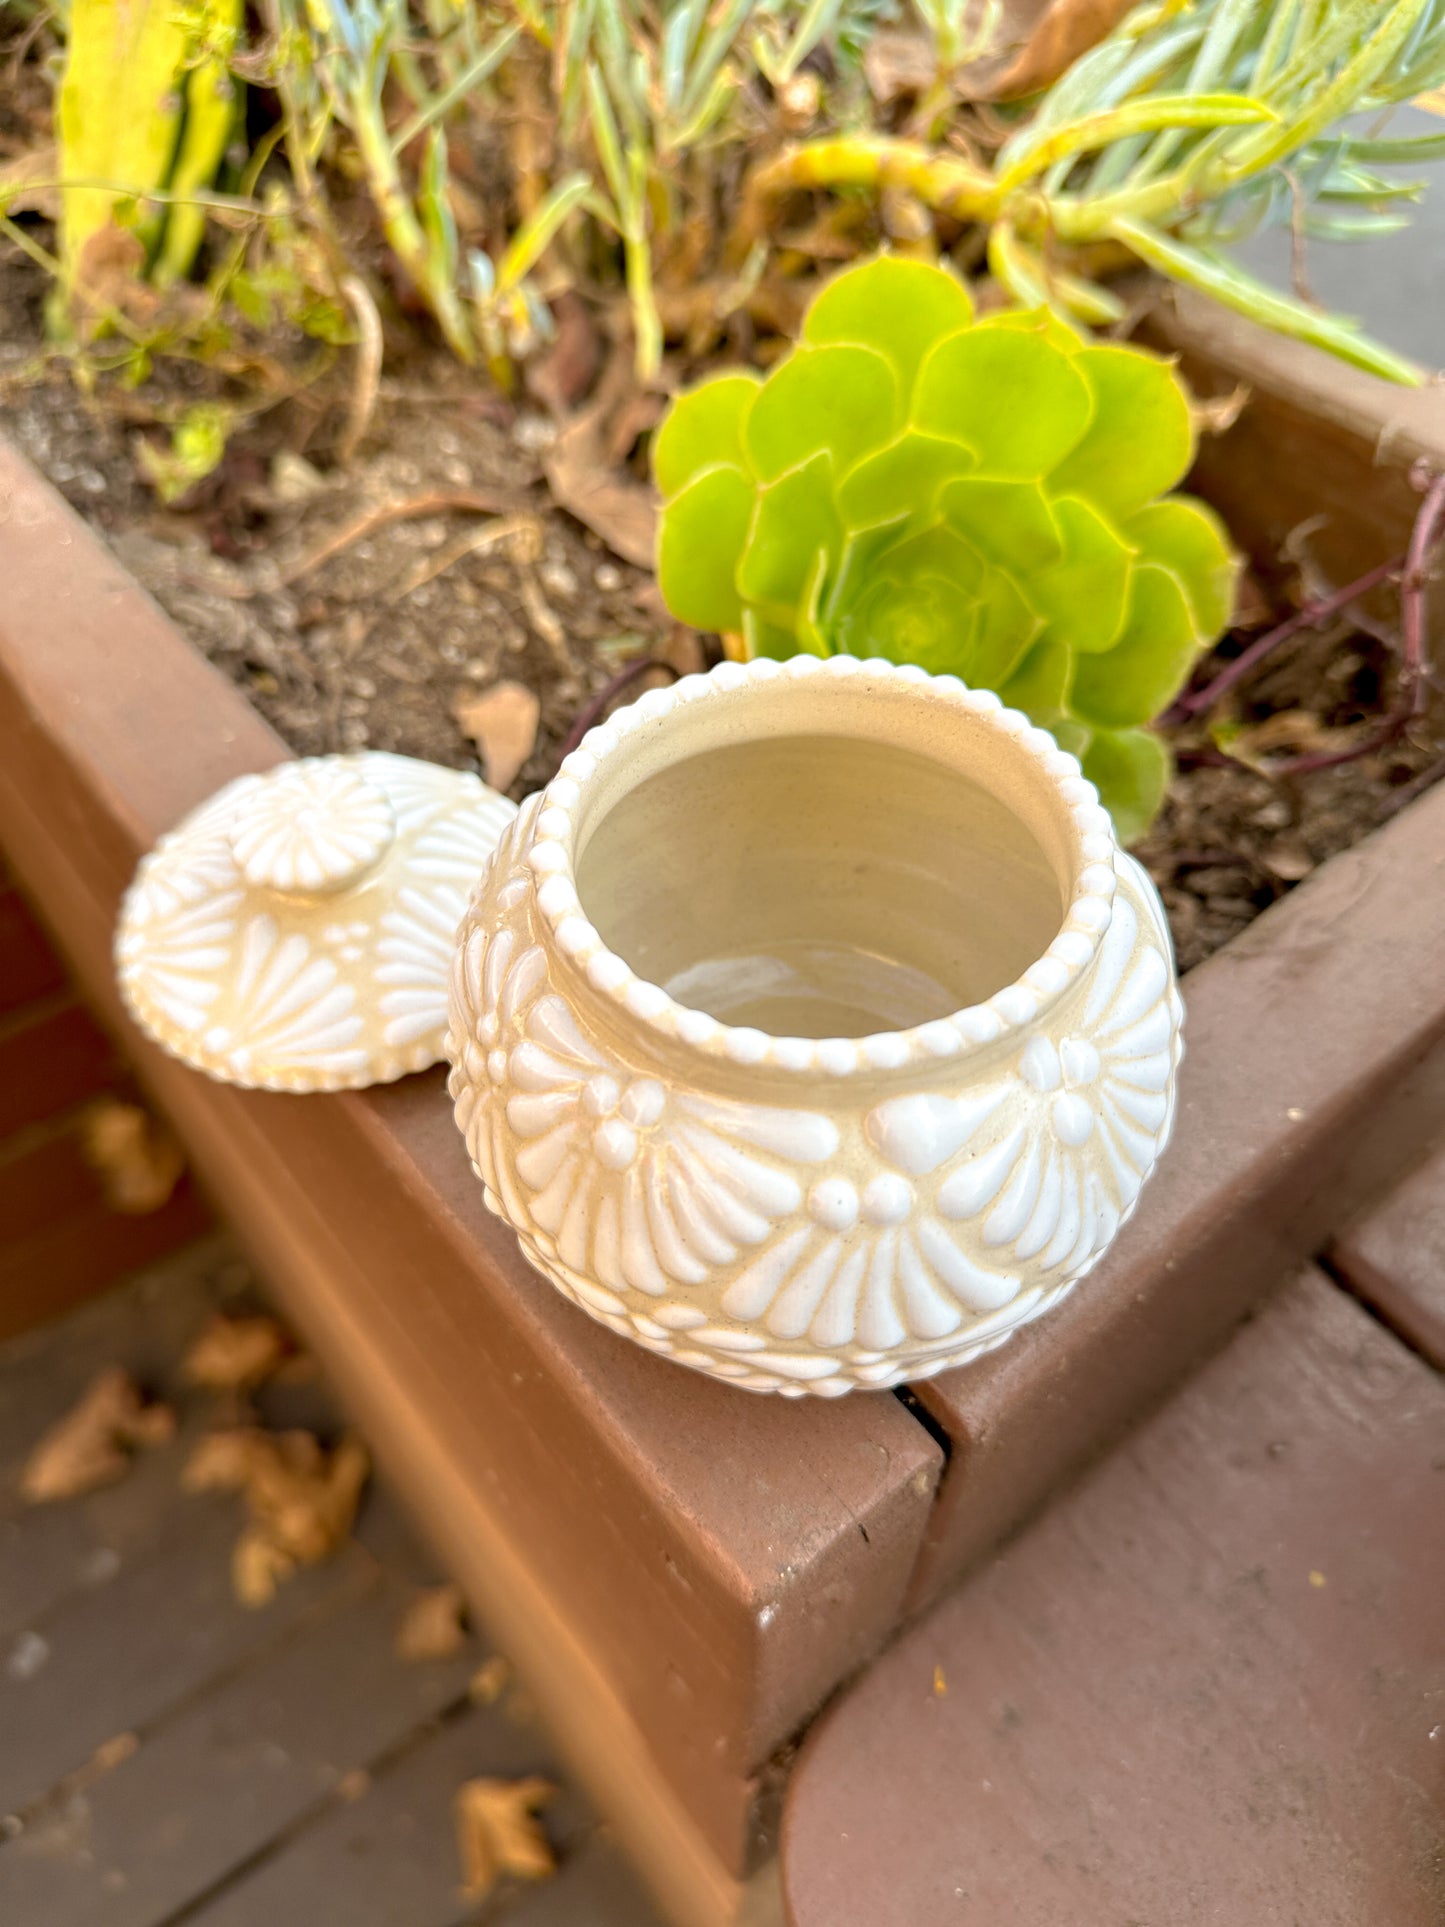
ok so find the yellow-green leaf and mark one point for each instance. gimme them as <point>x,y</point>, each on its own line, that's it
<point>703,429</point>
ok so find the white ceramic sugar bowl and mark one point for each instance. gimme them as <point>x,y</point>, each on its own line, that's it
<point>811,1028</point>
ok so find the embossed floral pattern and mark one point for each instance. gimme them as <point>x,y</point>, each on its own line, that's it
<point>945,1190</point>
<point>635,1186</point>
<point>313,825</point>
<point>295,932</point>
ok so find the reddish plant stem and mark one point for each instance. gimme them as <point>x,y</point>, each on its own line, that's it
<point>1412,681</point>
<point>1309,617</point>
<point>596,707</point>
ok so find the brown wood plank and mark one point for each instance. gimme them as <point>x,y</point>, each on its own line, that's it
<point>88,1249</point>
<point>29,968</point>
<point>52,1055</point>
<point>119,1656</point>
<point>389,1858</point>
<point>1314,1069</point>
<point>1393,1256</point>
<point>1319,443</point>
<point>214,1785</point>
<point>540,1449</point>
<point>1208,1686</point>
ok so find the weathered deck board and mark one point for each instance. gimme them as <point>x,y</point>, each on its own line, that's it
<point>288,1769</point>
<point>1209,1685</point>
<point>218,1782</point>
<point>389,1859</point>
<point>1393,1257</point>
<point>121,1656</point>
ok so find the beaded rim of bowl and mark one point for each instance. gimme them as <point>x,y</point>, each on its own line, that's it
<point>295,931</point>
<point>1007,1011</point>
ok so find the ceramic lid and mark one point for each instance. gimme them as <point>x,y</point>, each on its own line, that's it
<point>295,932</point>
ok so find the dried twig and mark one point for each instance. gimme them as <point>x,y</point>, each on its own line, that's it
<point>443,501</point>
<point>368,364</point>
<point>476,539</point>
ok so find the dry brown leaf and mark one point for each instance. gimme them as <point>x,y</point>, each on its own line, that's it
<point>138,1160</point>
<point>562,377</point>
<point>28,183</point>
<point>502,722</point>
<point>432,1625</point>
<point>623,513</point>
<point>1220,412</point>
<point>490,1681</point>
<point>498,1833</point>
<point>300,1499</point>
<point>234,1354</point>
<point>899,65</point>
<point>258,1567</point>
<point>1033,42</point>
<point>92,1444</point>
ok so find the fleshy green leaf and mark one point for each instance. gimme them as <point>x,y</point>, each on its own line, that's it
<point>1130,768</point>
<point>794,518</point>
<point>1006,627</point>
<point>1141,439</point>
<point>1007,394</point>
<point>1002,523</point>
<point>703,429</point>
<point>1185,537</point>
<point>1084,597</point>
<point>701,538</point>
<point>1040,684</point>
<point>901,308</point>
<point>1009,522</point>
<point>842,399</point>
<point>1137,679</point>
<point>917,603</point>
<point>903,480</point>
<point>764,638</point>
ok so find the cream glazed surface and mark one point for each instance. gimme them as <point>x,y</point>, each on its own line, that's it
<point>812,1213</point>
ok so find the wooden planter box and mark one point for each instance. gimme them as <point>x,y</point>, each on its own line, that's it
<point>684,1574</point>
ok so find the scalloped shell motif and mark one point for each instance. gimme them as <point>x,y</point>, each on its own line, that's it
<point>796,1250</point>
<point>302,992</point>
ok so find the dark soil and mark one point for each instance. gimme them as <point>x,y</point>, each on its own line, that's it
<point>376,644</point>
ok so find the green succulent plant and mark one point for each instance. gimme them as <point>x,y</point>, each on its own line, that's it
<point>980,497</point>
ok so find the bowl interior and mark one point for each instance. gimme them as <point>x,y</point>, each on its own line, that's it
<point>818,885</point>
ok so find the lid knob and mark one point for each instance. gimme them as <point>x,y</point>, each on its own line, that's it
<point>311,827</point>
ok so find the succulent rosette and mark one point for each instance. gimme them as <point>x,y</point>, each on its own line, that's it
<point>981,497</point>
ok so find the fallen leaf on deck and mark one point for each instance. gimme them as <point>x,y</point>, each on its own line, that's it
<point>234,1354</point>
<point>623,513</point>
<point>139,1162</point>
<point>502,722</point>
<point>301,1500</point>
<point>1032,43</point>
<point>490,1681</point>
<point>498,1833</point>
<point>91,1446</point>
<point>432,1625</point>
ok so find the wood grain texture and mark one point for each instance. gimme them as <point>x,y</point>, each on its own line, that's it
<point>755,1552</point>
<point>389,1858</point>
<point>1393,1257</point>
<point>219,1781</point>
<point>1210,1686</point>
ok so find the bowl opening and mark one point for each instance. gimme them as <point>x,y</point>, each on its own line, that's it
<point>829,885</point>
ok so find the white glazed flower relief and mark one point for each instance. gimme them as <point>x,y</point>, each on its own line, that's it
<point>810,1211</point>
<point>295,932</point>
